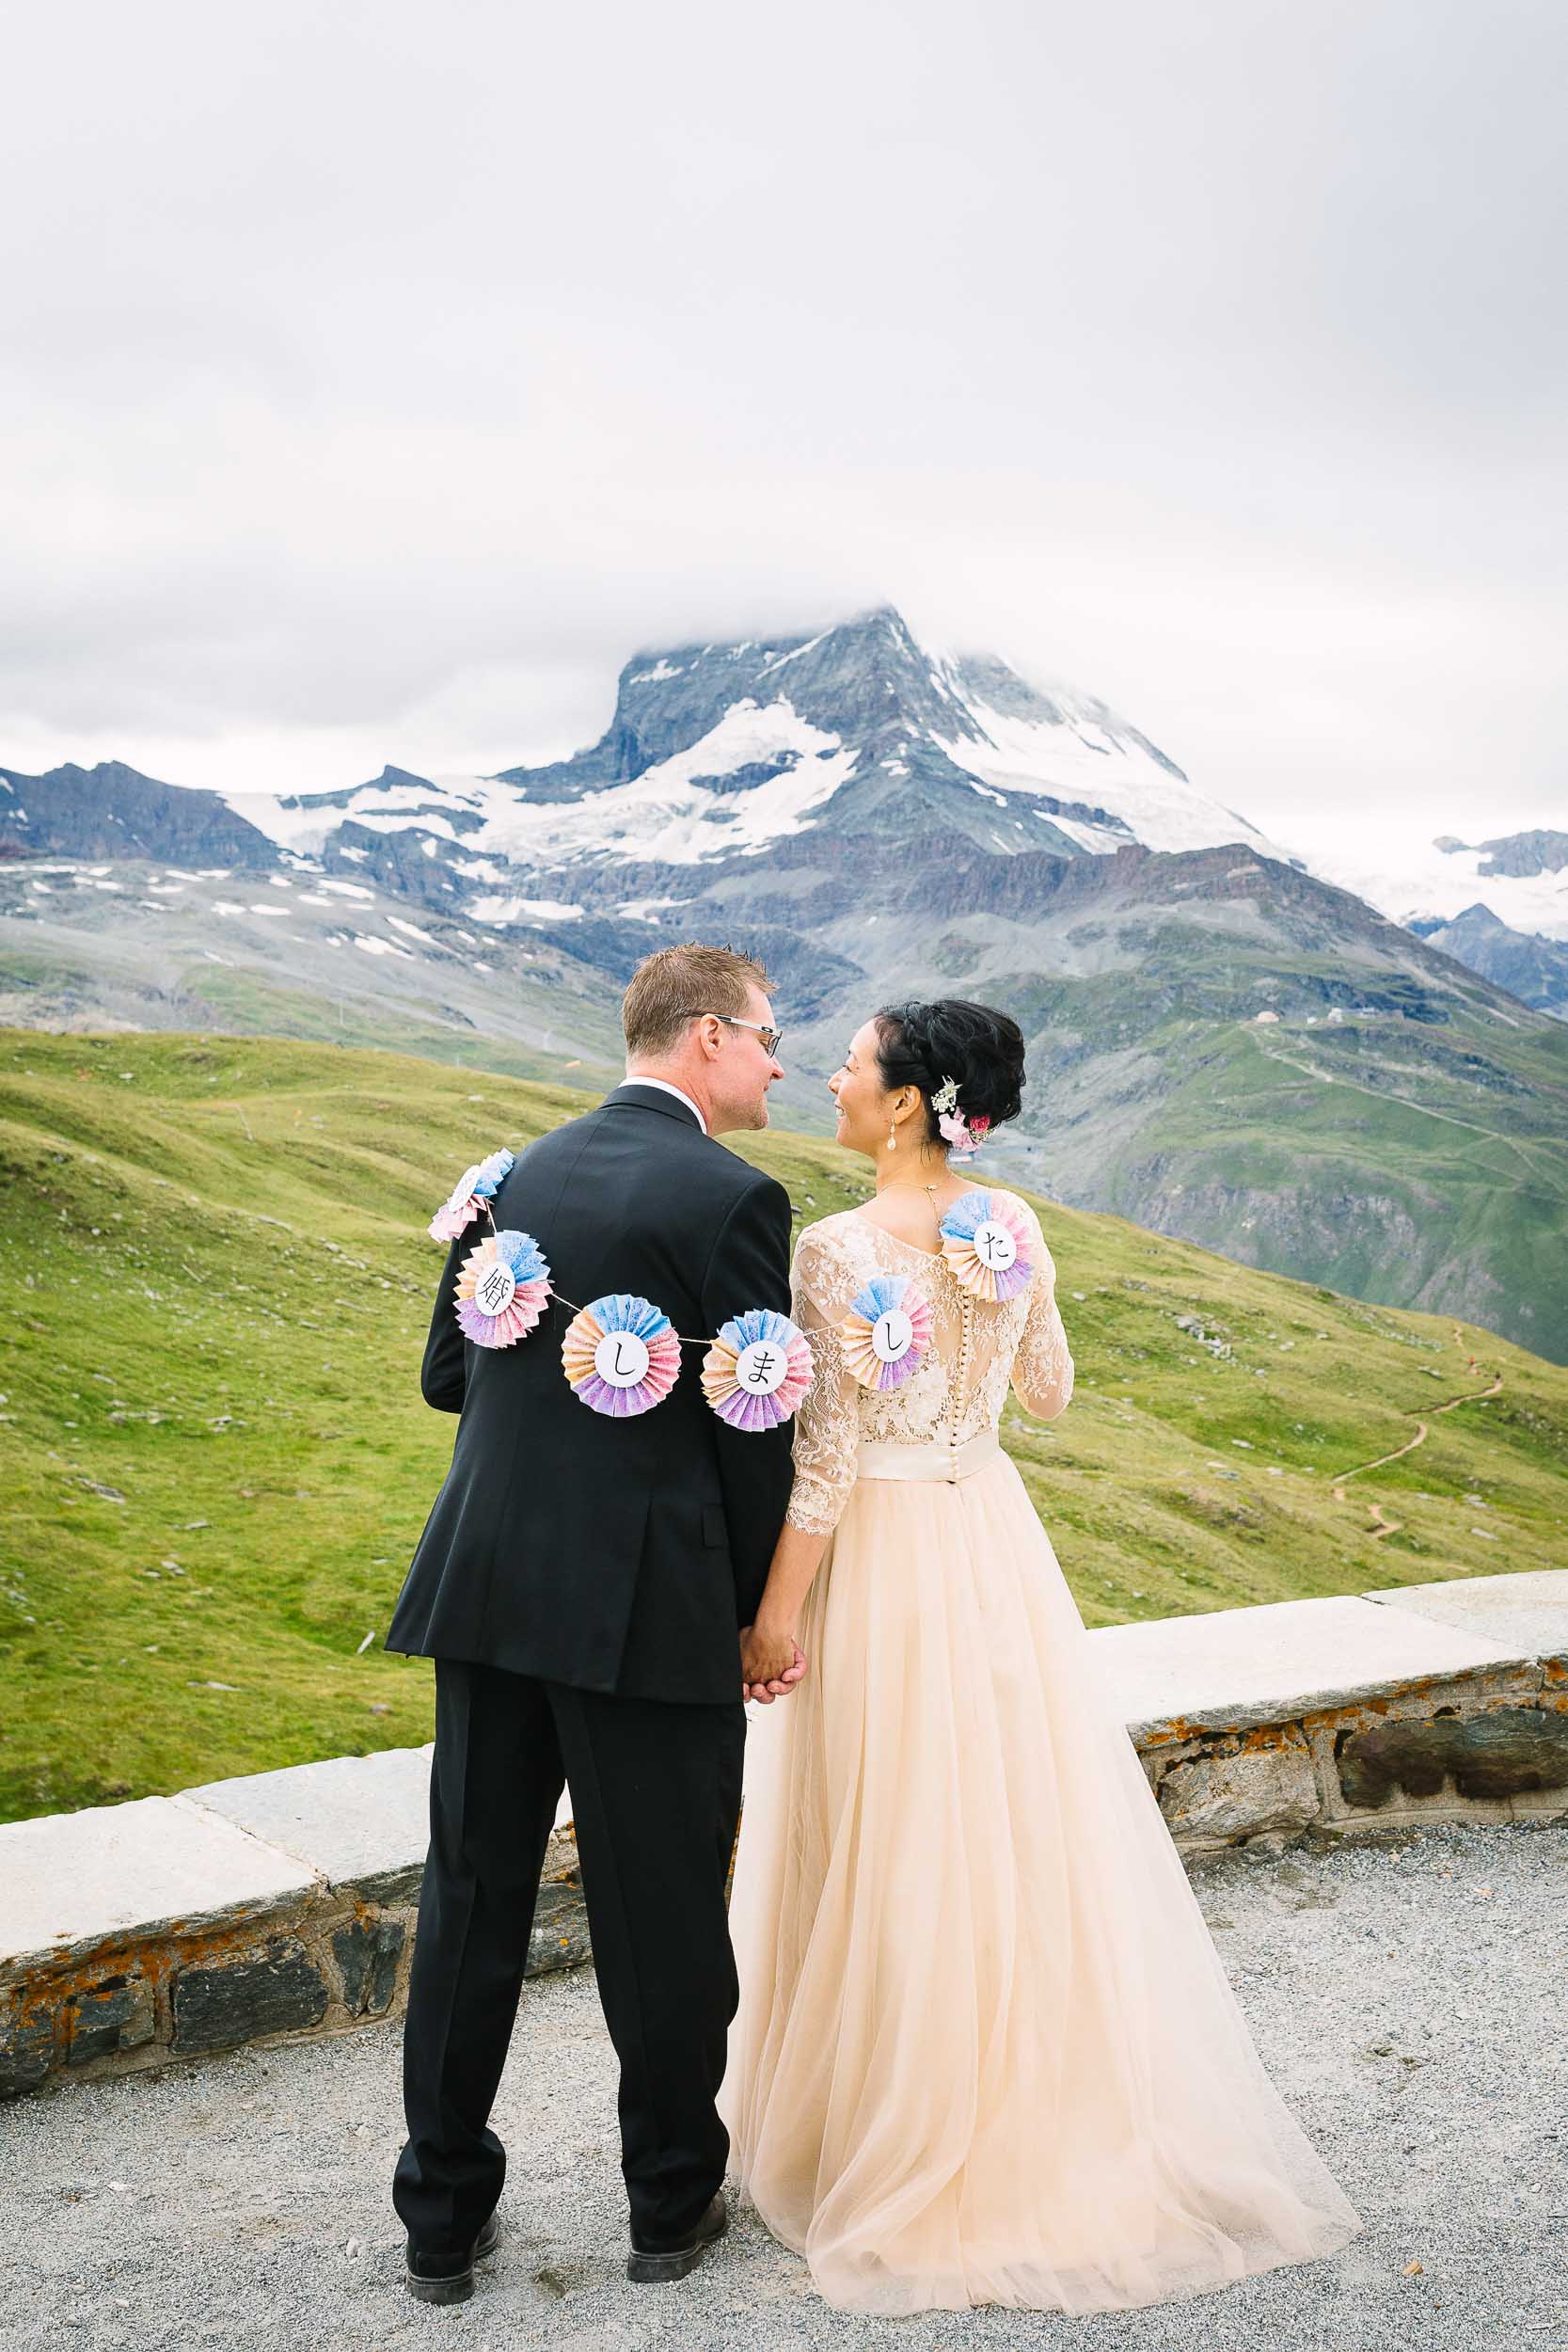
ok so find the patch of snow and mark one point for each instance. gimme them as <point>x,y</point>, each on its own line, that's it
<point>428,820</point>
<point>1000,798</point>
<point>656,677</point>
<point>226,906</point>
<point>777,660</point>
<point>347,889</point>
<point>280,881</point>
<point>1089,757</point>
<point>665,815</point>
<point>1099,838</point>
<point>499,910</point>
<point>288,828</point>
<point>410,930</point>
<point>269,910</point>
<point>1416,882</point>
<point>374,947</point>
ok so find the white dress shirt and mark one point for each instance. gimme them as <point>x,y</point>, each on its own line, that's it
<point>679,1092</point>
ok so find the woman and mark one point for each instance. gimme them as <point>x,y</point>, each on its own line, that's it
<point>986,2052</point>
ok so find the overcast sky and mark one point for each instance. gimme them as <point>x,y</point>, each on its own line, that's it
<point>376,379</point>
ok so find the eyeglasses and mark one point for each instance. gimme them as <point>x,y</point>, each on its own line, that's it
<point>769,1037</point>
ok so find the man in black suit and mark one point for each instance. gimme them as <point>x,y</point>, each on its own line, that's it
<point>581,1584</point>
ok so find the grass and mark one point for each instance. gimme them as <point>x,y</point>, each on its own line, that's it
<point>216,1288</point>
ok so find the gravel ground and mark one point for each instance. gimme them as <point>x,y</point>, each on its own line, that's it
<point>1406,1997</point>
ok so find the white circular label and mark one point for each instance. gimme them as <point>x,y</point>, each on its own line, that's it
<point>891,1335</point>
<point>620,1359</point>
<point>496,1288</point>
<point>995,1247</point>
<point>761,1367</point>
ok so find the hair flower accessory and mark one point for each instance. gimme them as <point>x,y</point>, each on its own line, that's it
<point>963,1135</point>
<point>476,1185</point>
<point>504,1287</point>
<point>621,1355</point>
<point>757,1369</point>
<point>886,1332</point>
<point>985,1242</point>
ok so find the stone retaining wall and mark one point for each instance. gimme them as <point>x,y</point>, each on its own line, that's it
<point>284,1903</point>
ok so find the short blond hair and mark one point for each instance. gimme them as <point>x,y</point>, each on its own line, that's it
<point>671,985</point>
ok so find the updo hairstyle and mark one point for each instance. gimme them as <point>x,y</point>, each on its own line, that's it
<point>921,1044</point>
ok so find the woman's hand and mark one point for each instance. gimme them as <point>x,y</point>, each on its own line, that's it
<point>771,1662</point>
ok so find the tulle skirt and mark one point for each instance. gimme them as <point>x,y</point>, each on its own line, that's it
<point>986,2051</point>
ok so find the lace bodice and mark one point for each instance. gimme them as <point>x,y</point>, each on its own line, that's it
<point>978,1347</point>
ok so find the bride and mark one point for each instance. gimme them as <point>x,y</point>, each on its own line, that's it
<point>986,2051</point>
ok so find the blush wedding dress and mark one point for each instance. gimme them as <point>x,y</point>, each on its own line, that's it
<point>986,2051</point>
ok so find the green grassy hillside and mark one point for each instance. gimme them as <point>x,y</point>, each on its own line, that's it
<point>215,1285</point>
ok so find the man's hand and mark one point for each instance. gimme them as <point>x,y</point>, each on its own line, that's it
<point>771,1665</point>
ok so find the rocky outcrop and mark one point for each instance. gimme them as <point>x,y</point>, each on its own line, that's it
<point>111,811</point>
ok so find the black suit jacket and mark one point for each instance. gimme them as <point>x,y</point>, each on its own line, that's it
<point>613,1555</point>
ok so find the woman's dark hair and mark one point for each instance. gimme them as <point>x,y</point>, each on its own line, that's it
<point>921,1044</point>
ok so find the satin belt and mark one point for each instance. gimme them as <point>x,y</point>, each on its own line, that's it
<point>883,1458</point>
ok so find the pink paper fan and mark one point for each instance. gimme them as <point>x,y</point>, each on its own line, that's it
<point>757,1369</point>
<point>508,1268</point>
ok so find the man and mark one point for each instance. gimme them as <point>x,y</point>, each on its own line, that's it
<point>581,1584</point>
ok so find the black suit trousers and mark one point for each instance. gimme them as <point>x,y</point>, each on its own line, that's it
<point>656,1795</point>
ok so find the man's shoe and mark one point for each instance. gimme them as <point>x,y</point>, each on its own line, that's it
<point>656,2266</point>
<point>449,2277</point>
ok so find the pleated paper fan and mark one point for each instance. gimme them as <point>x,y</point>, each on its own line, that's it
<point>985,1241</point>
<point>503,1287</point>
<point>757,1369</point>
<point>476,1185</point>
<point>621,1355</point>
<point>886,1332</point>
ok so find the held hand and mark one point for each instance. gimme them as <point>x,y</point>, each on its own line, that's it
<point>772,1663</point>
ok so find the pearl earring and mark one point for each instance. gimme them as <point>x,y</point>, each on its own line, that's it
<point>893,1135</point>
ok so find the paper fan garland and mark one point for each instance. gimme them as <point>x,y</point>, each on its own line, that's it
<point>985,1242</point>
<point>476,1185</point>
<point>503,1287</point>
<point>886,1332</point>
<point>621,1355</point>
<point>757,1369</point>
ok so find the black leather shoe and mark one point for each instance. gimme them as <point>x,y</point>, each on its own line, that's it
<point>449,2277</point>
<point>653,2265</point>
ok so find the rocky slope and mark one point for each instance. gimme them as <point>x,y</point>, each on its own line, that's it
<point>1529,965</point>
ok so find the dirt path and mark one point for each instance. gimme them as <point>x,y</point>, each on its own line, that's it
<point>1382,1523</point>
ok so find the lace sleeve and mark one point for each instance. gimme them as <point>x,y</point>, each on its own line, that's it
<point>1042,1368</point>
<point>826,1421</point>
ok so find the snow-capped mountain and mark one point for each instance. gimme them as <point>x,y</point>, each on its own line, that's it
<point>1521,879</point>
<point>1225,1040</point>
<point>720,751</point>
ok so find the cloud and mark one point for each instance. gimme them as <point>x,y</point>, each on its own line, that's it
<point>378,380</point>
